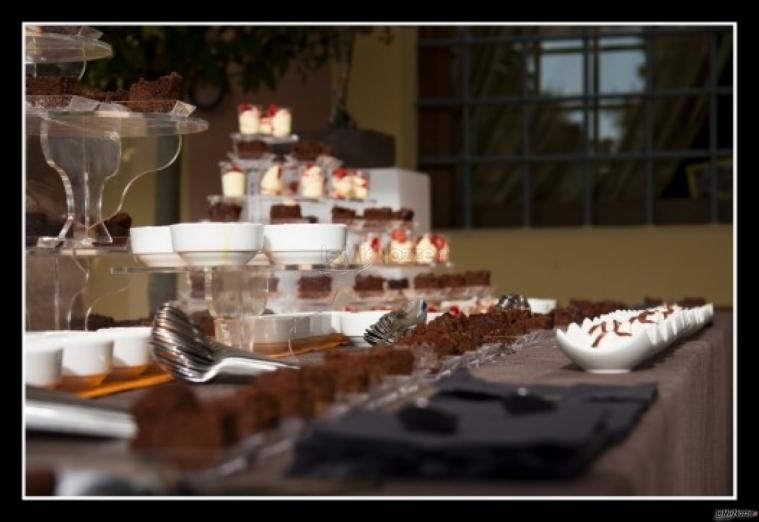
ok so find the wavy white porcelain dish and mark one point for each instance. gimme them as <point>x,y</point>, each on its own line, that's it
<point>541,306</point>
<point>626,354</point>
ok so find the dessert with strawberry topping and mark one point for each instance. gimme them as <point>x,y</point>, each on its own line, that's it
<point>276,121</point>
<point>271,182</point>
<point>312,181</point>
<point>341,184</point>
<point>442,248</point>
<point>248,118</point>
<point>401,250</point>
<point>360,185</point>
<point>369,251</point>
<point>426,250</point>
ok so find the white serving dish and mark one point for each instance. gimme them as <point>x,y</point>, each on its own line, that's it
<point>132,351</point>
<point>153,247</point>
<point>304,243</point>
<point>217,244</point>
<point>576,343</point>
<point>43,357</point>
<point>87,357</point>
<point>541,306</point>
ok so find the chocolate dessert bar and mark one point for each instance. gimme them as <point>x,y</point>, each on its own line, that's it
<point>45,85</point>
<point>369,283</point>
<point>224,212</point>
<point>314,287</point>
<point>397,284</point>
<point>295,398</point>
<point>251,149</point>
<point>342,214</point>
<point>378,214</point>
<point>171,416</point>
<point>392,361</point>
<point>477,278</point>
<point>404,214</point>
<point>452,280</point>
<point>309,150</point>
<point>164,88</point>
<point>426,281</point>
<point>284,212</point>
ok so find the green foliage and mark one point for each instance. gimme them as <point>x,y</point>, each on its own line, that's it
<point>255,56</point>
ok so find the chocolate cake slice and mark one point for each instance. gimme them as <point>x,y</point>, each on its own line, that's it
<point>343,215</point>
<point>314,287</point>
<point>397,284</point>
<point>251,149</point>
<point>44,85</point>
<point>369,283</point>
<point>309,150</point>
<point>164,88</point>
<point>378,214</point>
<point>426,282</point>
<point>223,211</point>
<point>282,213</point>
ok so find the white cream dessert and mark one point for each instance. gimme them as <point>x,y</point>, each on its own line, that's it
<point>426,251</point>
<point>281,121</point>
<point>442,248</point>
<point>401,250</point>
<point>341,184</point>
<point>312,182</point>
<point>271,182</point>
<point>249,118</point>
<point>360,185</point>
<point>369,251</point>
<point>233,182</point>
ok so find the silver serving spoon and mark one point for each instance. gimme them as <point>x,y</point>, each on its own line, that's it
<point>183,350</point>
<point>394,325</point>
<point>513,302</point>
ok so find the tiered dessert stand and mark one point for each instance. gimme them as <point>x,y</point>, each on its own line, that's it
<point>93,147</point>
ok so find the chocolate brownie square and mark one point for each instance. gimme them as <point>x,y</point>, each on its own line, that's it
<point>314,287</point>
<point>284,212</point>
<point>397,284</point>
<point>224,212</point>
<point>369,283</point>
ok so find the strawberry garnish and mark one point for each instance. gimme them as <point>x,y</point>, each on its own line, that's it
<point>454,310</point>
<point>245,107</point>
<point>293,186</point>
<point>271,110</point>
<point>375,244</point>
<point>438,241</point>
<point>399,235</point>
<point>340,173</point>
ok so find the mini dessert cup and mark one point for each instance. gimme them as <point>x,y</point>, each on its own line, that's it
<point>131,350</point>
<point>43,357</point>
<point>87,358</point>
<point>249,118</point>
<point>233,179</point>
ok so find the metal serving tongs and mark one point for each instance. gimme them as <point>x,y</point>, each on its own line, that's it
<point>61,412</point>
<point>394,325</point>
<point>183,350</point>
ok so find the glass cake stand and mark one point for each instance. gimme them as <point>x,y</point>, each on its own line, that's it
<point>55,53</point>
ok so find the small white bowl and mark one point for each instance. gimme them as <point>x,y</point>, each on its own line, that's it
<point>217,244</point>
<point>87,358</point>
<point>304,243</point>
<point>541,306</point>
<point>131,350</point>
<point>43,357</point>
<point>153,246</point>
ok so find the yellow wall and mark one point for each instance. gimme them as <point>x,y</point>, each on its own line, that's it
<point>383,88</point>
<point>599,263</point>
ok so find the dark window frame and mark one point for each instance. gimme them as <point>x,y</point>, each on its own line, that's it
<point>589,104</point>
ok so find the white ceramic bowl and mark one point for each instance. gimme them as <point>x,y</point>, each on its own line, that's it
<point>43,357</point>
<point>131,350</point>
<point>541,306</point>
<point>304,243</point>
<point>153,246</point>
<point>217,244</point>
<point>87,358</point>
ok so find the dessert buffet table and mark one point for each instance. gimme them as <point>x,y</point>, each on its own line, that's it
<point>681,446</point>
